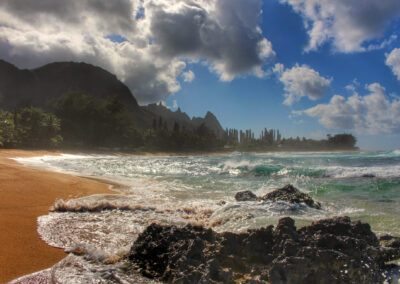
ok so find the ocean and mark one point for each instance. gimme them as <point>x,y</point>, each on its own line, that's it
<point>201,190</point>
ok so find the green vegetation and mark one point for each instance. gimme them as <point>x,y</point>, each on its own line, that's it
<point>87,122</point>
<point>29,128</point>
<point>271,140</point>
<point>342,141</point>
<point>80,121</point>
<point>181,140</point>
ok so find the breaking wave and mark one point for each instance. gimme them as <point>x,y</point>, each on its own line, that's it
<point>243,168</point>
<point>357,172</point>
<point>98,230</point>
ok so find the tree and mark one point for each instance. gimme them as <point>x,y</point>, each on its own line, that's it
<point>343,141</point>
<point>176,127</point>
<point>37,128</point>
<point>154,124</point>
<point>29,127</point>
<point>7,129</point>
<point>90,122</point>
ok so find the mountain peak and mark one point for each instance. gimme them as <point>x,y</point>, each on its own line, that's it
<point>52,81</point>
<point>210,115</point>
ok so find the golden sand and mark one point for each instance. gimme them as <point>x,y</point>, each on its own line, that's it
<point>26,194</point>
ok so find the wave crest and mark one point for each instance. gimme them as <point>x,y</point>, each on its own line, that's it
<point>364,172</point>
<point>100,205</point>
<point>248,168</point>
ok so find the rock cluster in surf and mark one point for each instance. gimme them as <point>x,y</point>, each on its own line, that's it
<point>288,193</point>
<point>333,250</point>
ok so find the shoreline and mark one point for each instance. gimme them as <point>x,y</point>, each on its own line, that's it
<point>26,194</point>
<point>177,154</point>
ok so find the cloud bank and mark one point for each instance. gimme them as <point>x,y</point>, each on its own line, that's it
<point>301,81</point>
<point>373,113</point>
<point>161,37</point>
<point>347,24</point>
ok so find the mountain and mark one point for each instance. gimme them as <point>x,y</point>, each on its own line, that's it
<point>184,121</point>
<point>43,86</point>
<point>211,121</point>
<point>48,83</point>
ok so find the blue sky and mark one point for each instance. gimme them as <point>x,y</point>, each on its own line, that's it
<point>306,67</point>
<point>251,102</point>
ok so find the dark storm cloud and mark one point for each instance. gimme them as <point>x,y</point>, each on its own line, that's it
<point>224,34</point>
<point>229,36</point>
<point>110,15</point>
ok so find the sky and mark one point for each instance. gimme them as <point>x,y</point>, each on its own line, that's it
<point>307,67</point>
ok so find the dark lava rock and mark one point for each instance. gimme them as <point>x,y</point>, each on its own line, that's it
<point>246,196</point>
<point>368,175</point>
<point>287,193</point>
<point>333,250</point>
<point>291,194</point>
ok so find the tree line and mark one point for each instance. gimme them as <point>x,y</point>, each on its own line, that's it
<point>80,121</point>
<point>272,140</point>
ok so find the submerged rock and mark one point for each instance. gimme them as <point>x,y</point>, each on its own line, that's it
<point>328,251</point>
<point>287,193</point>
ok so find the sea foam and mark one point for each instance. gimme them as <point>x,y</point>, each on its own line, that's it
<point>181,190</point>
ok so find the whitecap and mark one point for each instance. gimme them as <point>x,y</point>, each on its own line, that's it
<point>386,171</point>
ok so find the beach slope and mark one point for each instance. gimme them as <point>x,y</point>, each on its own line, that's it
<point>25,195</point>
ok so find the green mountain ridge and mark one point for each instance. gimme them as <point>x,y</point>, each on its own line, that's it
<point>40,87</point>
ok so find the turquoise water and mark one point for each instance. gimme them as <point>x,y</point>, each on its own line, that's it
<point>201,189</point>
<point>363,185</point>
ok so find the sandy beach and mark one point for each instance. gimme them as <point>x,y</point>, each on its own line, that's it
<point>25,195</point>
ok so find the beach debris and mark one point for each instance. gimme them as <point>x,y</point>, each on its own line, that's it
<point>288,193</point>
<point>334,250</point>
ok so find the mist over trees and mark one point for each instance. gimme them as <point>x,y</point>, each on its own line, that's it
<point>80,121</point>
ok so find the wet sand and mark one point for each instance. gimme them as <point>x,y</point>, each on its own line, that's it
<point>26,194</point>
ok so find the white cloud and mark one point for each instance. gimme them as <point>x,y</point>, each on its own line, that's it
<point>188,76</point>
<point>174,104</point>
<point>162,35</point>
<point>278,68</point>
<point>301,81</point>
<point>352,87</point>
<point>347,23</point>
<point>383,44</point>
<point>373,113</point>
<point>393,61</point>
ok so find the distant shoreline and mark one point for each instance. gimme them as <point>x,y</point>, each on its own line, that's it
<point>189,153</point>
